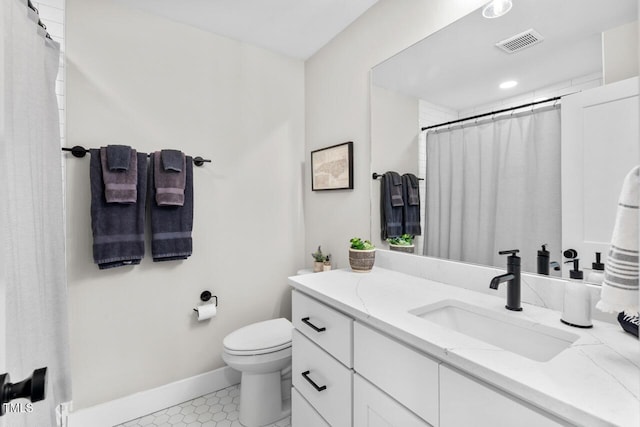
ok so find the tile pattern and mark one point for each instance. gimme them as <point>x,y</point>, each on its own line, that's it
<point>217,409</point>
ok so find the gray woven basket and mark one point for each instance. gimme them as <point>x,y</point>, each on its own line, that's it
<point>402,248</point>
<point>362,261</point>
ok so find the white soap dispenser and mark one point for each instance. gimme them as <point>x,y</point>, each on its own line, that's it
<point>576,310</point>
<point>596,275</point>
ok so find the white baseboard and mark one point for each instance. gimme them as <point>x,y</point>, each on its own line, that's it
<point>127,408</point>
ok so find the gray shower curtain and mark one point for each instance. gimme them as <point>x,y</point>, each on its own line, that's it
<point>32,257</point>
<point>492,186</point>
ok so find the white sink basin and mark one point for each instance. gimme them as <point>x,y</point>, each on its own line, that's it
<point>520,336</point>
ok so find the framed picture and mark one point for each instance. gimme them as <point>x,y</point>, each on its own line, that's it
<point>332,167</point>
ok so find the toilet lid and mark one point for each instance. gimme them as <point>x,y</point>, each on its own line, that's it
<point>261,337</point>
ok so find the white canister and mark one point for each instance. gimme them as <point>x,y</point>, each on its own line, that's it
<point>576,310</point>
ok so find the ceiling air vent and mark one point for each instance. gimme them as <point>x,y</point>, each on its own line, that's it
<point>520,41</point>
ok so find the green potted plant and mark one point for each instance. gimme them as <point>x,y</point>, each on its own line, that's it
<point>320,260</point>
<point>362,255</point>
<point>402,243</point>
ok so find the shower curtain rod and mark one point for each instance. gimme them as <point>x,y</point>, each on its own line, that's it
<point>44,27</point>
<point>79,151</point>
<point>556,98</point>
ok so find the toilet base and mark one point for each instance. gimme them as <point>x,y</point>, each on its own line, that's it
<point>261,399</point>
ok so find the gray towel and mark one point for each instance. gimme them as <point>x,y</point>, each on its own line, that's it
<point>119,157</point>
<point>390,214</point>
<point>120,186</point>
<point>395,189</point>
<point>412,189</point>
<point>171,226</point>
<point>118,229</point>
<point>173,160</point>
<point>169,184</point>
<point>411,209</point>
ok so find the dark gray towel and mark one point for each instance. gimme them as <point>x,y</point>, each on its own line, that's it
<point>173,160</point>
<point>412,189</point>
<point>390,215</point>
<point>171,226</point>
<point>119,157</point>
<point>120,186</point>
<point>395,189</point>
<point>118,229</point>
<point>169,184</point>
<point>411,209</point>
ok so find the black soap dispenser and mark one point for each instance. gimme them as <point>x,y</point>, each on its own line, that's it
<point>543,260</point>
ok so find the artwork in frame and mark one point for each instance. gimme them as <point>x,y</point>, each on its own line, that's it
<point>332,167</point>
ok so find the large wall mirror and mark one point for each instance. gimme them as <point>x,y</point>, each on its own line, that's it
<point>476,170</point>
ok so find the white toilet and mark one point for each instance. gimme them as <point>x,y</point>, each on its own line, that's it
<point>262,353</point>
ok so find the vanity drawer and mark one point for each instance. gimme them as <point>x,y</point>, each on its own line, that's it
<point>323,381</point>
<point>405,374</point>
<point>303,414</point>
<point>331,330</point>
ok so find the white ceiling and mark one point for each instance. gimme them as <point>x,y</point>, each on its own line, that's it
<point>459,67</point>
<point>296,28</point>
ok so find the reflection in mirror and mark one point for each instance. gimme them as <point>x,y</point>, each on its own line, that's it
<point>494,182</point>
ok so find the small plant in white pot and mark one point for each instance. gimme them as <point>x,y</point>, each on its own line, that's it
<point>327,263</point>
<point>362,255</point>
<point>402,243</point>
<point>320,260</point>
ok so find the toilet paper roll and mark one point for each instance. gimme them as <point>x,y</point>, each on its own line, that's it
<point>206,311</point>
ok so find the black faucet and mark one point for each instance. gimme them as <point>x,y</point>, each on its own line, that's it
<point>512,277</point>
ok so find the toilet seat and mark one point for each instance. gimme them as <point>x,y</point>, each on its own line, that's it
<point>259,338</point>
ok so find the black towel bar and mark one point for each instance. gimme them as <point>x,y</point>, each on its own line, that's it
<point>377,175</point>
<point>80,151</point>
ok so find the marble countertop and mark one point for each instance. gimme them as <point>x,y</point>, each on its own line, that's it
<point>595,382</point>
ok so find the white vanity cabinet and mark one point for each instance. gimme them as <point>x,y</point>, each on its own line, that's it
<point>374,408</point>
<point>346,373</point>
<point>466,402</point>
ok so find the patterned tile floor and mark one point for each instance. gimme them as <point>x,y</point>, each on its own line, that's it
<point>217,409</point>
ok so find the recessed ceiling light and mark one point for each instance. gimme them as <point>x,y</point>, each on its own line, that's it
<point>496,8</point>
<point>508,84</point>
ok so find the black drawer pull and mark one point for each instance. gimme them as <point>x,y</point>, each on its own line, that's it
<point>305,374</point>
<point>305,320</point>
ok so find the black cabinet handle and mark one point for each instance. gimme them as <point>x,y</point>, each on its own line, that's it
<point>305,375</point>
<point>305,320</point>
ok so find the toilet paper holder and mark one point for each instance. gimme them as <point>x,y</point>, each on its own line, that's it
<point>206,296</point>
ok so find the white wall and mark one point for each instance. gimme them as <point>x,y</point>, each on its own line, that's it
<point>151,83</point>
<point>394,132</point>
<point>337,110</point>
<point>620,52</point>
